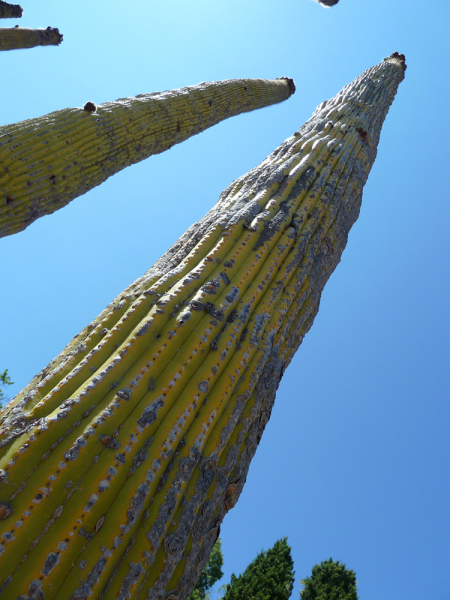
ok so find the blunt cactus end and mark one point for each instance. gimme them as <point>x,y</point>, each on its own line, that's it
<point>291,84</point>
<point>53,37</point>
<point>397,59</point>
<point>327,3</point>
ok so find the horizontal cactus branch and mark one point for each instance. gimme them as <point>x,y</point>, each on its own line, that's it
<point>10,11</point>
<point>120,459</point>
<point>47,162</point>
<point>18,38</point>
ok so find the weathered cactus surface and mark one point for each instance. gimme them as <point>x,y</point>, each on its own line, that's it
<point>18,38</point>
<point>10,11</point>
<point>121,458</point>
<point>47,162</point>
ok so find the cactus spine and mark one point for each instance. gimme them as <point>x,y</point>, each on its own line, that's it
<point>49,161</point>
<point>121,458</point>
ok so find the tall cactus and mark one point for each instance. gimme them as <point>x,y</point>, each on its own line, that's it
<point>121,458</point>
<point>49,161</point>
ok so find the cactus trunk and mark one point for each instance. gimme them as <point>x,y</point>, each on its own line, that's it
<point>21,37</point>
<point>47,162</point>
<point>10,11</point>
<point>121,458</point>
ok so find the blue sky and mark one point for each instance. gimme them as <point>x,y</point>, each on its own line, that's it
<point>354,463</point>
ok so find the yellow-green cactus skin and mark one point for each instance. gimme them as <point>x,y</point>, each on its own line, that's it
<point>10,11</point>
<point>18,38</point>
<point>47,162</point>
<point>121,458</point>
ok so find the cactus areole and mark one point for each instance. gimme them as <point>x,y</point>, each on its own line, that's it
<point>47,162</point>
<point>121,458</point>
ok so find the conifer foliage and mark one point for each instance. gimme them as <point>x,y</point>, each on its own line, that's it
<point>330,581</point>
<point>269,577</point>
<point>4,380</point>
<point>212,573</point>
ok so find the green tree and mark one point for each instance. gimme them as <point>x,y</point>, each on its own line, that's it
<point>212,573</point>
<point>4,380</point>
<point>269,577</point>
<point>330,581</point>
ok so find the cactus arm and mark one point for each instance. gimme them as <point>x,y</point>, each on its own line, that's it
<point>117,469</point>
<point>10,11</point>
<point>47,162</point>
<point>17,38</point>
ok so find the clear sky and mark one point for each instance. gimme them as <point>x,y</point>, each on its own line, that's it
<point>354,463</point>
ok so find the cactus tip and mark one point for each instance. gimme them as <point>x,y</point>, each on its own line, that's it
<point>398,58</point>
<point>58,36</point>
<point>327,3</point>
<point>290,83</point>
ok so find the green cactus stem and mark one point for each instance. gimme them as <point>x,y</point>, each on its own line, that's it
<point>10,11</point>
<point>47,162</point>
<point>120,459</point>
<point>18,38</point>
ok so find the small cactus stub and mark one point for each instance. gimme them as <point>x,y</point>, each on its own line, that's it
<point>90,107</point>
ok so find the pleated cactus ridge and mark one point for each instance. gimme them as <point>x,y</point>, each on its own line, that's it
<point>121,458</point>
<point>49,161</point>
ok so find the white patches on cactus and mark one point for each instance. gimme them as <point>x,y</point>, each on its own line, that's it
<point>50,563</point>
<point>103,485</point>
<point>92,500</point>
<point>112,472</point>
